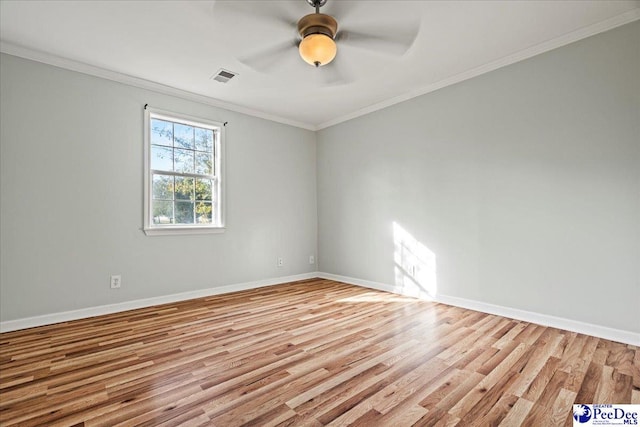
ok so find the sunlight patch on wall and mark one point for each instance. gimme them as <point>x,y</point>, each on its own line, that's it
<point>414,265</point>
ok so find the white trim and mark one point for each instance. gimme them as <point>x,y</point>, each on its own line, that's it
<point>219,149</point>
<point>48,319</point>
<point>627,337</point>
<point>582,33</point>
<point>360,282</point>
<point>619,335</point>
<point>175,231</point>
<point>69,64</point>
<point>81,67</point>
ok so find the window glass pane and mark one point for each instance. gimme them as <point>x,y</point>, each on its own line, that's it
<point>163,187</point>
<point>161,132</point>
<point>203,163</point>
<point>184,188</point>
<point>184,212</point>
<point>184,160</point>
<point>203,189</point>
<point>203,212</point>
<point>161,158</point>
<point>182,167</point>
<point>204,139</point>
<point>162,212</point>
<point>184,136</point>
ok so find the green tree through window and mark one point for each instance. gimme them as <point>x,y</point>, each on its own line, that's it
<point>183,173</point>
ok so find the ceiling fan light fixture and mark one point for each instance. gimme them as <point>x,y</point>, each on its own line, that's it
<point>317,31</point>
<point>318,49</point>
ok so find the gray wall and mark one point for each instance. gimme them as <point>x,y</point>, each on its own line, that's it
<point>72,197</point>
<point>524,183</point>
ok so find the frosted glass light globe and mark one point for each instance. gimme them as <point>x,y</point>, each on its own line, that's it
<point>318,49</point>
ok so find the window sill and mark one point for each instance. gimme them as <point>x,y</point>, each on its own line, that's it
<point>173,231</point>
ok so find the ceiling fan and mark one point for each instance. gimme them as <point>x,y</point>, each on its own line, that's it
<point>319,38</point>
<point>318,32</point>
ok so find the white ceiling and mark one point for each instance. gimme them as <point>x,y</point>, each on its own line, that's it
<point>181,44</point>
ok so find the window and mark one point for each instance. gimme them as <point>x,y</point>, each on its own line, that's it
<point>183,174</point>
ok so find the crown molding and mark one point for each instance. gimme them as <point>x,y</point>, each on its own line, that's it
<point>69,64</point>
<point>582,33</point>
<point>81,67</point>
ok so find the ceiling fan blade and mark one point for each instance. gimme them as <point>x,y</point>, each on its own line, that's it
<point>269,57</point>
<point>394,41</point>
<point>340,9</point>
<point>259,11</point>
<point>335,73</point>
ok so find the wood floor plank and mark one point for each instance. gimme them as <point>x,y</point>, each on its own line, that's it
<point>540,381</point>
<point>309,353</point>
<point>517,413</point>
<point>560,411</point>
<point>509,365</point>
<point>534,366</point>
<point>260,409</point>
<point>339,399</point>
<point>636,369</point>
<point>495,414</point>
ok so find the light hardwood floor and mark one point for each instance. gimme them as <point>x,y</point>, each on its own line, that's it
<point>310,353</point>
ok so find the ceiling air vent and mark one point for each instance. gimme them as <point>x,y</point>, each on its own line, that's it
<point>223,76</point>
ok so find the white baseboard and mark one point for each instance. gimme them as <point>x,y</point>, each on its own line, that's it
<point>361,282</point>
<point>48,319</point>
<point>627,337</point>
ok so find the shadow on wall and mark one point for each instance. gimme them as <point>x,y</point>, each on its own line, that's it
<point>414,265</point>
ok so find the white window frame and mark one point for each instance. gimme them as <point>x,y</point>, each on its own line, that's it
<point>149,227</point>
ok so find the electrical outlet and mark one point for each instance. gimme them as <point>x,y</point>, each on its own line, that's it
<point>312,259</point>
<point>116,281</point>
<point>280,262</point>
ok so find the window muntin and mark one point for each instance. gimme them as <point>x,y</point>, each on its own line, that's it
<point>183,177</point>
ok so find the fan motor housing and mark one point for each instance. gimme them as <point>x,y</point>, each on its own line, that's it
<point>317,23</point>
